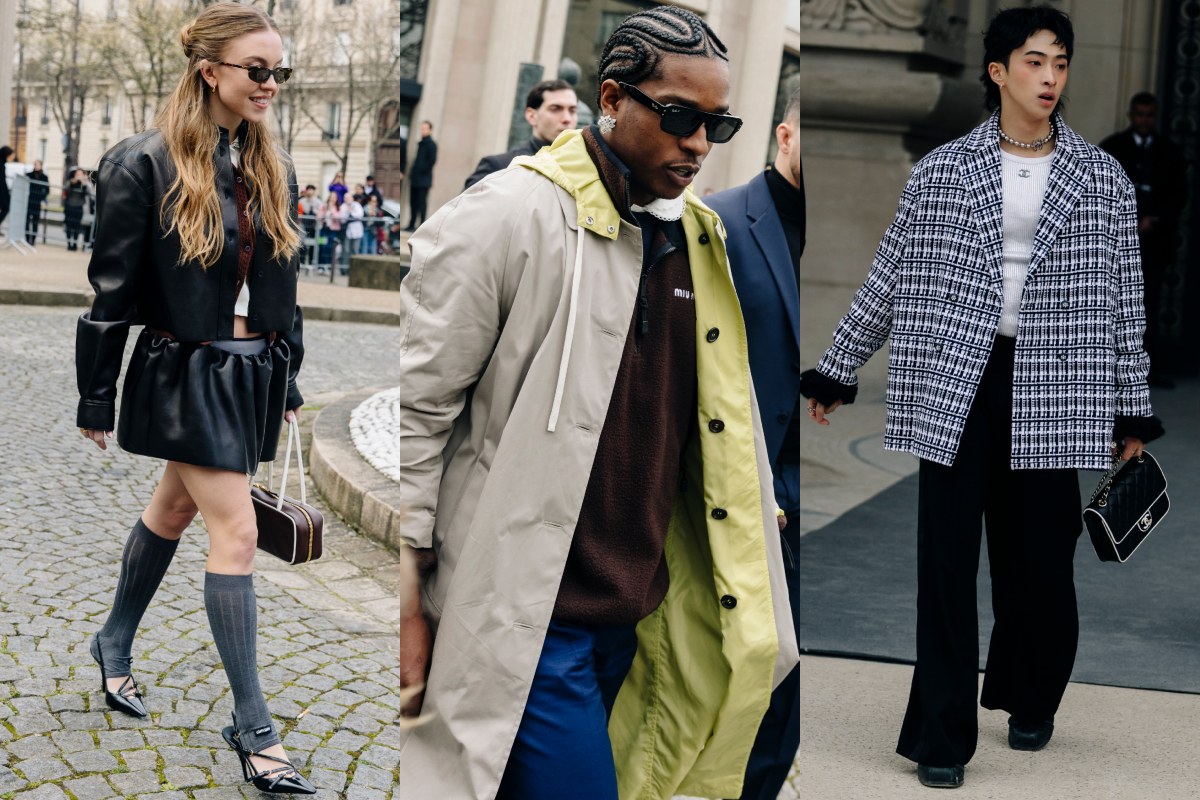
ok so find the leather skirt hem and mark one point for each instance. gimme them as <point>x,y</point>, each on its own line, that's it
<point>201,405</point>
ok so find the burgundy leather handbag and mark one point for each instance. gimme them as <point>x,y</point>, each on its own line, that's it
<point>288,529</point>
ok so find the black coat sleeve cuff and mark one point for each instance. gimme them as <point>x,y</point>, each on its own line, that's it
<point>1145,428</point>
<point>825,389</point>
<point>96,416</point>
<point>294,398</point>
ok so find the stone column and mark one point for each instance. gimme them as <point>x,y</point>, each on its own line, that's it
<point>8,53</point>
<point>883,84</point>
<point>511,41</point>
<point>554,26</point>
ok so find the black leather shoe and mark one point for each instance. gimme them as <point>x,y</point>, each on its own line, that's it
<point>128,698</point>
<point>281,780</point>
<point>1031,736</point>
<point>950,777</point>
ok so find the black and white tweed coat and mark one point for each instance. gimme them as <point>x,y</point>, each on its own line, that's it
<point>936,287</point>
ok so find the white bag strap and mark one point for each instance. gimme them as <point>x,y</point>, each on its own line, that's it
<point>293,431</point>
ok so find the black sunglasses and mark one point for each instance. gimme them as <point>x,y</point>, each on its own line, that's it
<point>684,121</point>
<point>262,74</point>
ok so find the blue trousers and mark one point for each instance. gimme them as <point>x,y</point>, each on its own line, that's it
<point>562,751</point>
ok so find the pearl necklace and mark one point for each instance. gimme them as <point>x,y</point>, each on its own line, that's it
<point>1035,146</point>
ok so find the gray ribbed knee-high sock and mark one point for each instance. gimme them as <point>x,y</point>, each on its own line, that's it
<point>143,565</point>
<point>233,616</point>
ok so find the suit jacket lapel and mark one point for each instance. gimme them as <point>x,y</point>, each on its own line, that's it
<point>981,178</point>
<point>768,233</point>
<point>1068,179</point>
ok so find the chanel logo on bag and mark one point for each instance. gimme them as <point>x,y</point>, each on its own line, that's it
<point>1145,522</point>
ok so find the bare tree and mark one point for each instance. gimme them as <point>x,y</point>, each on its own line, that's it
<point>363,50</point>
<point>52,44</point>
<point>298,29</point>
<point>142,47</point>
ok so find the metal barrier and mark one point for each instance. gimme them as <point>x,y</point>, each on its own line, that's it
<point>45,221</point>
<point>37,215</point>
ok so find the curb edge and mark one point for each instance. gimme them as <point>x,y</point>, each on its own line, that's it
<point>363,496</point>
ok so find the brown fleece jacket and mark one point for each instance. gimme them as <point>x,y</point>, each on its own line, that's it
<point>616,571</point>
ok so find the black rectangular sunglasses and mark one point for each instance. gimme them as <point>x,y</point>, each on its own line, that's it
<point>684,121</point>
<point>262,74</point>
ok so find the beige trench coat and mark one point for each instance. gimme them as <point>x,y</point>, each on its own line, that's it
<point>498,276</point>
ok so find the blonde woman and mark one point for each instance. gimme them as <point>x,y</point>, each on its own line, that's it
<point>197,240</point>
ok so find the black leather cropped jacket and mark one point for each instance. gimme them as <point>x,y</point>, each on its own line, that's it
<point>138,280</point>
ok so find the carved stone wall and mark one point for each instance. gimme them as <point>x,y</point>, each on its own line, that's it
<point>1180,321</point>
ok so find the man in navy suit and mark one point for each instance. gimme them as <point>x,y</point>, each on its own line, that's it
<point>765,220</point>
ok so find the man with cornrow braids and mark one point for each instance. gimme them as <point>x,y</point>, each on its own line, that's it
<point>604,611</point>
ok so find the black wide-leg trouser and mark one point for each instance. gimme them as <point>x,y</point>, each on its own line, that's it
<point>1033,521</point>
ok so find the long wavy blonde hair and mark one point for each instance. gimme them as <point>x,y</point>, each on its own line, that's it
<point>191,205</point>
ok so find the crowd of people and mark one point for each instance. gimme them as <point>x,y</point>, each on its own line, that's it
<point>345,223</point>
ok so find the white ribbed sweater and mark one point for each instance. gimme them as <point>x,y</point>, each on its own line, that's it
<point>1023,187</point>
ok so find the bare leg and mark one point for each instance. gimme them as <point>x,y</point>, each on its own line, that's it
<point>223,498</point>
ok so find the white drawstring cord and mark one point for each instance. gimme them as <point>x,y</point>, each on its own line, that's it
<point>566,356</point>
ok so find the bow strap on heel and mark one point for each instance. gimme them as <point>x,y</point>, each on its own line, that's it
<point>280,780</point>
<point>128,698</point>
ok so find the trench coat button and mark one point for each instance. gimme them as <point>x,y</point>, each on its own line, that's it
<point>716,425</point>
<point>951,297</point>
<point>704,238</point>
<point>1066,304</point>
<point>611,228</point>
<point>589,220</point>
<point>719,513</point>
<point>728,601</point>
<point>782,419</point>
<point>1062,356</point>
<point>713,333</point>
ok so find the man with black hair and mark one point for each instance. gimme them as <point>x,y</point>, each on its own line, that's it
<point>582,463</point>
<point>39,189</point>
<point>1157,168</point>
<point>421,176</point>
<point>550,108</point>
<point>1011,289</point>
<point>765,219</point>
<point>371,189</point>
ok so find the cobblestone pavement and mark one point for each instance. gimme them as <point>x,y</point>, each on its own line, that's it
<point>326,642</point>
<point>327,649</point>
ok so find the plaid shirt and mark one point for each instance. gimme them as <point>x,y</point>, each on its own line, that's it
<point>936,288</point>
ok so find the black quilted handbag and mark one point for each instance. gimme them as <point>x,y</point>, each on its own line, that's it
<point>1126,506</point>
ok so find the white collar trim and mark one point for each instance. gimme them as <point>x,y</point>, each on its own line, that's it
<point>660,208</point>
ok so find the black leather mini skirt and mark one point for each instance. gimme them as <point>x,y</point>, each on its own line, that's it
<point>201,405</point>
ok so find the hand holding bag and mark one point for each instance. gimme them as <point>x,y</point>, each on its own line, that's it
<point>1126,506</point>
<point>289,530</point>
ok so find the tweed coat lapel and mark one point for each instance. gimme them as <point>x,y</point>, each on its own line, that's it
<point>1068,178</point>
<point>981,179</point>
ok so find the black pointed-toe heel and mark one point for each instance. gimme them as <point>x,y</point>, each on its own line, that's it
<point>128,698</point>
<point>281,780</point>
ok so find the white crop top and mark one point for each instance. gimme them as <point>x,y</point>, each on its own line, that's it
<point>241,307</point>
